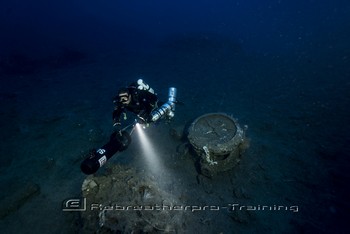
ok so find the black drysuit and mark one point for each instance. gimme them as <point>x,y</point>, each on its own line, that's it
<point>142,103</point>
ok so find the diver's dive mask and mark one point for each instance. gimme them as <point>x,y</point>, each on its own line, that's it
<point>124,96</point>
<point>124,99</point>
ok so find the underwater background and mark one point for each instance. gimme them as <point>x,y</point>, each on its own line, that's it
<point>280,67</point>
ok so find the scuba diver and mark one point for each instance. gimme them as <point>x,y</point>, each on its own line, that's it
<point>138,98</point>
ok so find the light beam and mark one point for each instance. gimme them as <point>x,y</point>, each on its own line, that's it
<point>149,152</point>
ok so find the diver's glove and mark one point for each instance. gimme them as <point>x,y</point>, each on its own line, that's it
<point>116,124</point>
<point>141,120</point>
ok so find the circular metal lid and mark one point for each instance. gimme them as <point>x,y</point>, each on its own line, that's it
<point>214,131</point>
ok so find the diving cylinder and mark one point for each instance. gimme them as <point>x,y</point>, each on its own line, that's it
<point>171,101</point>
<point>168,108</point>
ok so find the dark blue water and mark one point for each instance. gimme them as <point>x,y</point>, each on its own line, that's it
<point>281,67</point>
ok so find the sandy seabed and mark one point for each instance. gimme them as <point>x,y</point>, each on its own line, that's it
<point>293,178</point>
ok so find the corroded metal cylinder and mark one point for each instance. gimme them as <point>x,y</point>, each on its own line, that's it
<point>217,139</point>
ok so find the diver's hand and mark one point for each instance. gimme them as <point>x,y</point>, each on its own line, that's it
<point>117,124</point>
<point>141,120</point>
<point>117,127</point>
